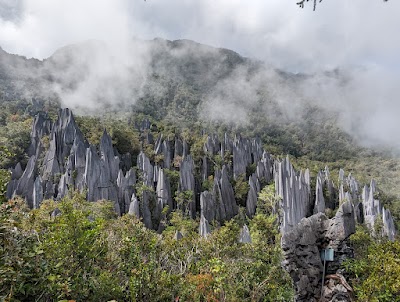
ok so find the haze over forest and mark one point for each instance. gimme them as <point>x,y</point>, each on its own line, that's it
<point>353,65</point>
<point>199,150</point>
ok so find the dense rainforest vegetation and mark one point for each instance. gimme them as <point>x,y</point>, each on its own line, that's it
<point>89,254</point>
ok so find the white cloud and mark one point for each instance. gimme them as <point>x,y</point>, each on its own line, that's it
<point>340,33</point>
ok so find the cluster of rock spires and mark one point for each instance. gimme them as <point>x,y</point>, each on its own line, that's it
<point>70,163</point>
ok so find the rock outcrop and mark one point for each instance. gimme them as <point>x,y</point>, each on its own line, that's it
<point>186,183</point>
<point>302,247</point>
<point>204,228</point>
<point>68,163</point>
<point>245,236</point>
<point>294,191</point>
<point>374,211</point>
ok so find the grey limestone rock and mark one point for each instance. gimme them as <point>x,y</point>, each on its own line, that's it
<point>111,162</point>
<point>37,193</point>
<point>301,248</point>
<point>343,224</point>
<point>125,186</point>
<point>226,207</point>
<point>241,156</point>
<point>205,168</point>
<point>145,210</point>
<point>16,173</point>
<point>78,164</point>
<point>62,187</point>
<point>302,245</point>
<point>204,228</point>
<point>134,207</point>
<point>92,174</point>
<point>251,202</point>
<point>40,127</point>
<point>51,165</point>
<point>185,149</point>
<point>49,189</point>
<point>212,145</point>
<point>341,194</point>
<point>145,124</point>
<point>319,196</point>
<point>126,162</point>
<point>62,137</point>
<point>373,209</point>
<point>178,235</point>
<point>256,150</point>
<point>187,183</point>
<point>244,236</point>
<point>11,188</point>
<point>178,148</point>
<point>164,197</point>
<point>146,168</point>
<point>25,184</point>
<point>264,167</point>
<point>352,184</point>
<point>208,208</point>
<point>166,151</point>
<point>227,145</point>
<point>341,176</point>
<point>294,191</point>
<point>55,213</point>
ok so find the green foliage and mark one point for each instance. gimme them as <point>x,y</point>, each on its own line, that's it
<point>22,262</point>
<point>183,199</point>
<point>267,200</point>
<point>125,137</point>
<point>4,173</point>
<point>241,188</point>
<point>4,179</point>
<point>376,268</point>
<point>87,254</point>
<point>14,140</point>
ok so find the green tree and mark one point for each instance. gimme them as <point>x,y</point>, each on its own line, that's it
<point>375,269</point>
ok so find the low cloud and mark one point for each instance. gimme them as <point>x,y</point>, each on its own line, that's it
<point>358,37</point>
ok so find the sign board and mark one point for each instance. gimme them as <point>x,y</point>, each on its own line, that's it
<point>327,255</point>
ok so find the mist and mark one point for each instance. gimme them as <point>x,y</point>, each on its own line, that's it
<point>351,68</point>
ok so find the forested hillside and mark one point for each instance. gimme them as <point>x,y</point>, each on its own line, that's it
<point>184,159</point>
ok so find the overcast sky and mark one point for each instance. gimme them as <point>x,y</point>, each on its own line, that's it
<point>340,33</point>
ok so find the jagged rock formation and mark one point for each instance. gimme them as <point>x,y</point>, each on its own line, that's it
<point>374,210</point>
<point>69,163</point>
<point>252,196</point>
<point>302,246</point>
<point>207,206</point>
<point>134,207</point>
<point>294,191</point>
<point>186,183</point>
<point>226,207</point>
<point>324,185</point>
<point>163,191</point>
